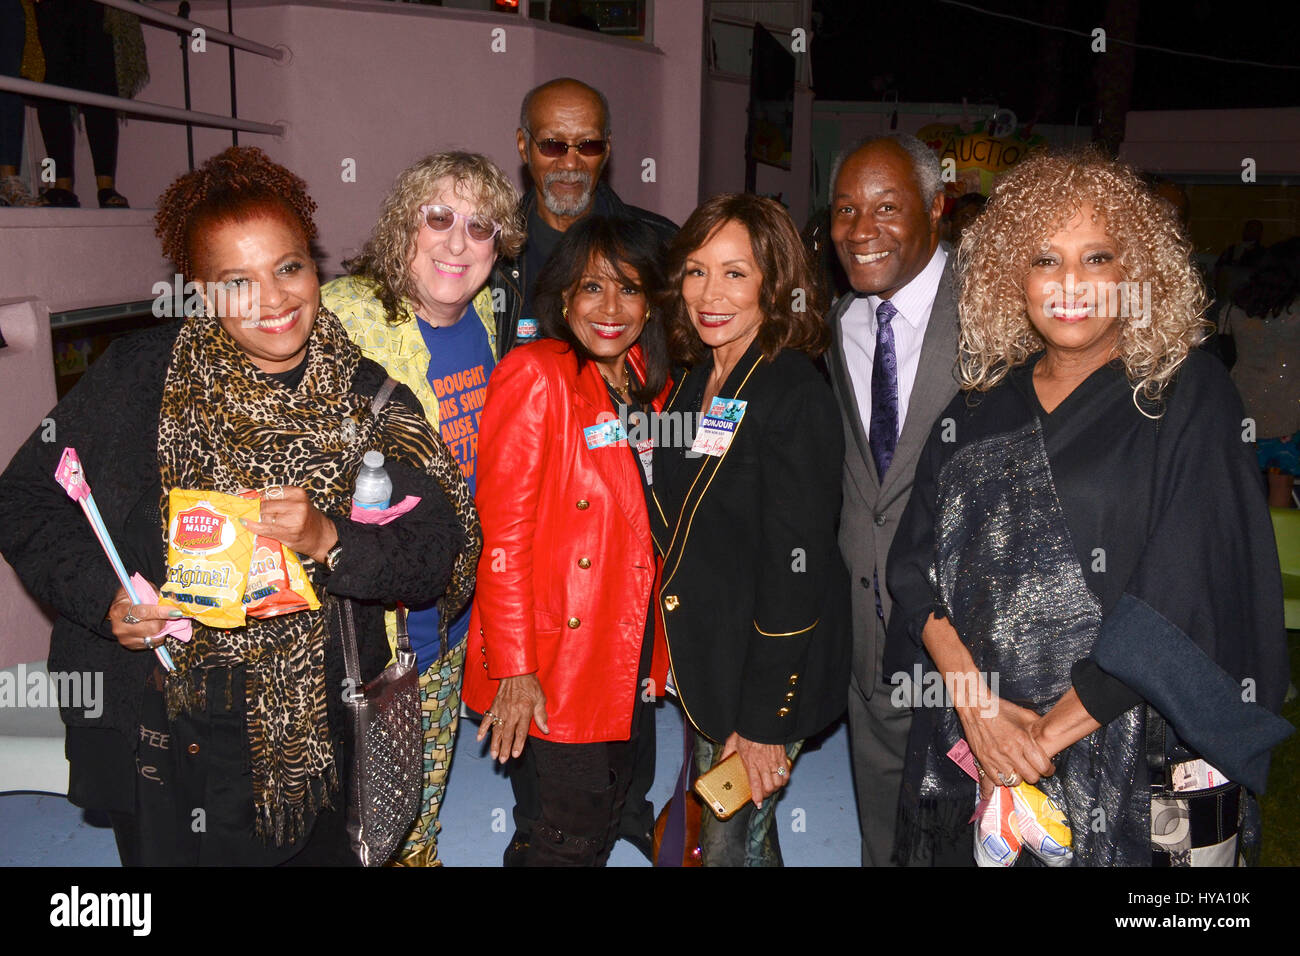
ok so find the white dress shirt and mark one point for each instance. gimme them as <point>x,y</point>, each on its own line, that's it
<point>913,302</point>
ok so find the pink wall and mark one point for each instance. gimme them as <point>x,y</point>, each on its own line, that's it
<point>726,116</point>
<point>28,375</point>
<point>722,159</point>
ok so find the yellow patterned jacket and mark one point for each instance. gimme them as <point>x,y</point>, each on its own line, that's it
<point>398,348</point>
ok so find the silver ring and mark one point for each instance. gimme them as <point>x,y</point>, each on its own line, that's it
<point>130,619</point>
<point>275,491</point>
<point>148,643</point>
<point>497,721</point>
<point>780,771</point>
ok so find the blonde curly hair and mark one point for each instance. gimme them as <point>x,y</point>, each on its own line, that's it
<point>1032,202</point>
<point>387,255</point>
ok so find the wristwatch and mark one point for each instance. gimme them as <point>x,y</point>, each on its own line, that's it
<point>332,557</point>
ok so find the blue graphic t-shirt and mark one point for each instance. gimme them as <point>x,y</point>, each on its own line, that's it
<point>460,361</point>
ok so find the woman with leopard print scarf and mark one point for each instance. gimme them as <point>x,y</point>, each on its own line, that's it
<point>240,755</point>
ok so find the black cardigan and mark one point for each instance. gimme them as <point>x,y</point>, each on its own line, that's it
<point>111,418</point>
<point>755,594</point>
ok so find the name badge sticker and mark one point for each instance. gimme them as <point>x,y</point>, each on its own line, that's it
<point>605,433</point>
<point>645,450</point>
<point>718,426</point>
<point>526,330</point>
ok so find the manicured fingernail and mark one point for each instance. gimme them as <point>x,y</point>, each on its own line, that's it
<point>175,612</point>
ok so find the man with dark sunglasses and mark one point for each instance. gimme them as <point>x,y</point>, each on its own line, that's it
<point>564,139</point>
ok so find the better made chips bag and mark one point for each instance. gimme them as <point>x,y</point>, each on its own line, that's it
<point>208,555</point>
<point>997,839</point>
<point>277,583</point>
<point>1021,816</point>
<point>1043,828</point>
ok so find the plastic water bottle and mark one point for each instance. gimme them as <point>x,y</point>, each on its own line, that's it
<point>374,487</point>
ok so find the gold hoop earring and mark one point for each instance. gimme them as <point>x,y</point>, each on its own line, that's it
<point>564,312</point>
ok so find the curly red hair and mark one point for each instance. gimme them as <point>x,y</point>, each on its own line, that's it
<point>239,183</point>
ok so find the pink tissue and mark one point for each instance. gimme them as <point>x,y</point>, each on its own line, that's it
<point>372,516</point>
<point>69,474</point>
<point>179,628</point>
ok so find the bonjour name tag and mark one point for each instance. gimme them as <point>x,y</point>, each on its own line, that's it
<point>718,426</point>
<point>604,433</point>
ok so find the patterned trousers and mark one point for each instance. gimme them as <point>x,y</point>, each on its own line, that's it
<point>749,837</point>
<point>440,710</point>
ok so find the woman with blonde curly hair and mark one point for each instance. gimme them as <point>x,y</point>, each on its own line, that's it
<point>1085,558</point>
<point>419,302</point>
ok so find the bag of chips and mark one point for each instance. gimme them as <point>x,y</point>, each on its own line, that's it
<point>997,840</point>
<point>1043,829</point>
<point>277,583</point>
<point>208,555</point>
<point>1021,816</point>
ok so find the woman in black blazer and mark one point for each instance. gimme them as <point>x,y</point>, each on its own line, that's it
<point>754,594</point>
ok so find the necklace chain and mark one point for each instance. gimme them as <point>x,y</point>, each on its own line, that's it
<point>627,382</point>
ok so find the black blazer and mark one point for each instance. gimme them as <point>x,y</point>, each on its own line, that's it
<point>754,593</point>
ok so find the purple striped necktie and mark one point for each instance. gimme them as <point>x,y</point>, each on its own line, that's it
<point>883,433</point>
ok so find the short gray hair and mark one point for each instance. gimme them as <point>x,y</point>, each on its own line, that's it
<point>560,81</point>
<point>925,164</point>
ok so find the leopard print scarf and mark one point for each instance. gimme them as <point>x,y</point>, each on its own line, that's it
<point>225,425</point>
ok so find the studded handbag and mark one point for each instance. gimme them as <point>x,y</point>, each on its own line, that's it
<point>387,774</point>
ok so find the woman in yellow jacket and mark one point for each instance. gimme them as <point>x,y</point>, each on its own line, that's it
<point>418,301</point>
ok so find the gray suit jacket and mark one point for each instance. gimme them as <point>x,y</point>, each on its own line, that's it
<point>871,510</point>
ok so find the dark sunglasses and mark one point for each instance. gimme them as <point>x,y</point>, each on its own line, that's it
<point>554,148</point>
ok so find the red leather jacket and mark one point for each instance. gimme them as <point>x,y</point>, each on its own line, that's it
<point>568,563</point>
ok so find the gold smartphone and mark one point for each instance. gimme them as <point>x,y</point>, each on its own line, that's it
<point>725,788</point>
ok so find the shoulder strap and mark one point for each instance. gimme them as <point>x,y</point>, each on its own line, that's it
<point>348,639</point>
<point>383,395</point>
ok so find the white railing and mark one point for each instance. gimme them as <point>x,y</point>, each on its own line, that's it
<point>145,12</point>
<point>157,110</point>
<point>13,84</point>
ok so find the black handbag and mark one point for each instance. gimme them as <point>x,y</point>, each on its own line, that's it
<point>387,775</point>
<point>1190,827</point>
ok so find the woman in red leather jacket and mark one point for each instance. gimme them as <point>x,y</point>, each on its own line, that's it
<point>563,647</point>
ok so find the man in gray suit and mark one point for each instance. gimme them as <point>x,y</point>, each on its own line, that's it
<point>892,363</point>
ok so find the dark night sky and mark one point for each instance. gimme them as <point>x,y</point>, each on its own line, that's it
<point>933,52</point>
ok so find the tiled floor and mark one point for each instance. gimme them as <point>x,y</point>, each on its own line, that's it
<point>817,816</point>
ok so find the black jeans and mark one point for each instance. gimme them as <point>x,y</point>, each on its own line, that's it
<point>194,793</point>
<point>78,54</point>
<point>576,794</point>
<point>12,37</point>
